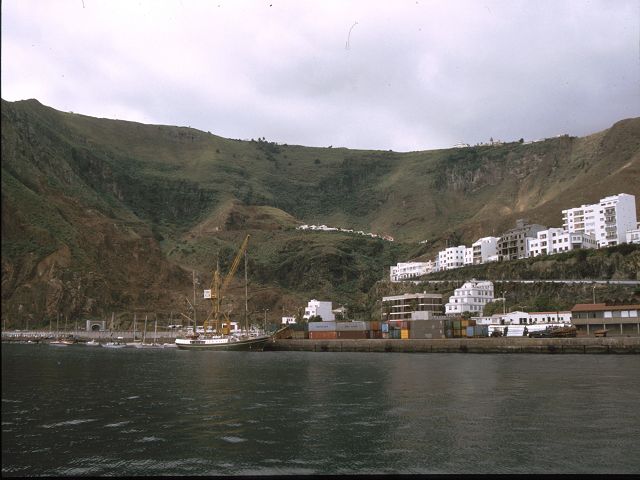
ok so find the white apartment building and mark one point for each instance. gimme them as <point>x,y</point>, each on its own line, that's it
<point>323,309</point>
<point>485,250</point>
<point>608,220</point>
<point>633,236</point>
<point>468,256</point>
<point>557,240</point>
<point>471,297</point>
<point>452,257</point>
<point>408,270</point>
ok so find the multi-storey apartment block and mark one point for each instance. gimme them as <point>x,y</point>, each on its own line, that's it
<point>471,297</point>
<point>557,240</point>
<point>411,306</point>
<point>485,250</point>
<point>452,257</point>
<point>408,270</point>
<point>513,244</point>
<point>609,220</point>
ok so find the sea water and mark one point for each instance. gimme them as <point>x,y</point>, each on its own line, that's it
<point>94,411</point>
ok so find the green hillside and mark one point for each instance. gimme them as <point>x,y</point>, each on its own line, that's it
<point>102,216</point>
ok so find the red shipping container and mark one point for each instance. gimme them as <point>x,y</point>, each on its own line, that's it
<point>352,334</point>
<point>323,335</point>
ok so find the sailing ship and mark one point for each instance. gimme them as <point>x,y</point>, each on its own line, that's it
<point>155,344</point>
<point>221,338</point>
<point>136,343</point>
<point>118,342</point>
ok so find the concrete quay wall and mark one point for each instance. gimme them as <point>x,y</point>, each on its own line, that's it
<point>620,345</point>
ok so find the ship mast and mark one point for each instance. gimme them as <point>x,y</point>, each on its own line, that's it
<point>246,296</point>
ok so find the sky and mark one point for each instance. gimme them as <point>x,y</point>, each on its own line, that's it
<point>393,75</point>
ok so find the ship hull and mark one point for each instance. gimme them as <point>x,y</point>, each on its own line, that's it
<point>256,344</point>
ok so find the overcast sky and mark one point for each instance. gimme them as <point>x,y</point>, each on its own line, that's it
<point>400,75</point>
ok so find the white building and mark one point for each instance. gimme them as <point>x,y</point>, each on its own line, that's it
<point>515,322</point>
<point>452,257</point>
<point>557,240</point>
<point>471,297</point>
<point>323,309</point>
<point>633,236</point>
<point>608,220</point>
<point>408,270</point>
<point>288,320</point>
<point>468,256</point>
<point>485,250</point>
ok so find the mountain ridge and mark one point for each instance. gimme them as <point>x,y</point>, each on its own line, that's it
<point>127,210</point>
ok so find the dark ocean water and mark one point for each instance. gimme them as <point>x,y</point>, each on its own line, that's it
<point>93,411</point>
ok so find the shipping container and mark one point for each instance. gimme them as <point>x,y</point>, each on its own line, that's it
<point>384,328</point>
<point>353,334</point>
<point>404,334</point>
<point>375,326</point>
<point>470,331</point>
<point>323,335</point>
<point>481,330</point>
<point>376,334</point>
<point>464,323</point>
<point>448,333</point>
<point>384,335</point>
<point>351,326</point>
<point>322,326</point>
<point>456,324</point>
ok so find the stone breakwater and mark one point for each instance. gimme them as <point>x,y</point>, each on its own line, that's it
<point>612,345</point>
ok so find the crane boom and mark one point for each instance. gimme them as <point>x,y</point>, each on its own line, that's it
<point>219,287</point>
<point>234,265</point>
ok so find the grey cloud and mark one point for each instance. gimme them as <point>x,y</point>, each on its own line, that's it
<point>415,75</point>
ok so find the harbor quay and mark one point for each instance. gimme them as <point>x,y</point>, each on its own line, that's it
<point>84,336</point>
<point>583,345</point>
<point>576,345</point>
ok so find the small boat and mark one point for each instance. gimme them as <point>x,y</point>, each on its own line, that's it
<point>92,343</point>
<point>118,343</point>
<point>62,342</point>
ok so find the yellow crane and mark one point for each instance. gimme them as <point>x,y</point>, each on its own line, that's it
<point>219,288</point>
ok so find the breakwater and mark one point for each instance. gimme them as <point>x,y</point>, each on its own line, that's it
<point>606,345</point>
